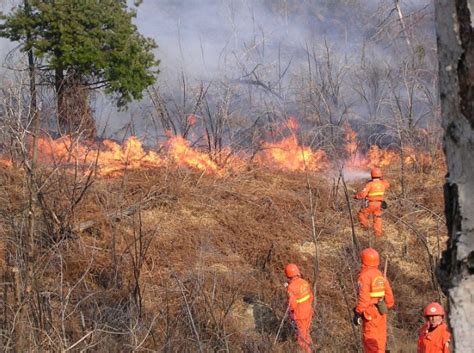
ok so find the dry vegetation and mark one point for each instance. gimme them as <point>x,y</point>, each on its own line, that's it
<point>164,258</point>
<point>171,260</point>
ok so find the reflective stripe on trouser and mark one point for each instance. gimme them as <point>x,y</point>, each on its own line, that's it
<point>375,210</point>
<point>374,333</point>
<point>303,328</point>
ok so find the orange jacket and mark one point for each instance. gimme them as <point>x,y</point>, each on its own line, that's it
<point>374,190</point>
<point>372,287</point>
<point>300,298</point>
<point>436,341</point>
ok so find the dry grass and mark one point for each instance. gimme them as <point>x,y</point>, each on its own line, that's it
<point>212,277</point>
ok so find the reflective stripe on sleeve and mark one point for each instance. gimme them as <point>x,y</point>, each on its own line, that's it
<point>305,298</point>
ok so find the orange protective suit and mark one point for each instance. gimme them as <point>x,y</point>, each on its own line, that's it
<point>372,288</point>
<point>435,341</point>
<point>300,302</point>
<point>374,193</point>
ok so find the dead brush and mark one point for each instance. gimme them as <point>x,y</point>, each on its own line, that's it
<point>172,273</point>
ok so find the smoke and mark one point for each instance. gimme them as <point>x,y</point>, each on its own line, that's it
<point>227,38</point>
<point>263,48</point>
<point>214,38</point>
<point>352,174</point>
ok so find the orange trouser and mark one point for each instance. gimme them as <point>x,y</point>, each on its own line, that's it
<point>303,327</point>
<point>375,209</point>
<point>374,334</point>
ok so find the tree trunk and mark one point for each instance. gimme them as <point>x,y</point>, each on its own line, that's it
<point>73,111</point>
<point>456,69</point>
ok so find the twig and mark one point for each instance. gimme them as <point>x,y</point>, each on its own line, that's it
<point>425,244</point>
<point>188,309</point>
<point>281,324</point>
<point>79,341</point>
<point>114,216</point>
<point>343,291</point>
<point>346,194</point>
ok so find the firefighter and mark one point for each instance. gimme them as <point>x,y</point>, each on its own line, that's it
<point>374,299</point>
<point>300,305</point>
<point>373,196</point>
<point>434,335</point>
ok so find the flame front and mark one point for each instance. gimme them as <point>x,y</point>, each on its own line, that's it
<point>288,155</point>
<point>185,156</point>
<point>129,156</point>
<point>110,158</point>
<point>351,141</point>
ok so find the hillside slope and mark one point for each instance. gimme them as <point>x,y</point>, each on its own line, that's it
<point>175,261</point>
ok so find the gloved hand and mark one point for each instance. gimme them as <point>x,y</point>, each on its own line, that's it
<point>357,319</point>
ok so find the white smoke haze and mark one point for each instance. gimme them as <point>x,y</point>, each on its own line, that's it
<point>354,174</point>
<point>247,43</point>
<point>212,39</point>
<point>204,37</point>
<point>244,47</point>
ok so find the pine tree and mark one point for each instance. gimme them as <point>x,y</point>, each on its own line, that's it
<point>83,46</point>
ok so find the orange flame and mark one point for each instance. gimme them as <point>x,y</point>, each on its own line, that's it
<point>6,163</point>
<point>377,157</point>
<point>421,159</point>
<point>129,156</point>
<point>185,156</point>
<point>111,160</point>
<point>292,124</point>
<point>351,141</point>
<point>192,119</point>
<point>288,155</point>
<point>381,157</point>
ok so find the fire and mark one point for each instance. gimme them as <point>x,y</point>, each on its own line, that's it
<point>351,141</point>
<point>130,156</point>
<point>417,158</point>
<point>6,163</point>
<point>288,155</point>
<point>111,159</point>
<point>381,157</point>
<point>292,124</point>
<point>192,119</point>
<point>50,150</point>
<point>377,157</point>
<point>185,156</point>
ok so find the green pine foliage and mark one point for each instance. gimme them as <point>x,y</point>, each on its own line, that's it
<point>94,39</point>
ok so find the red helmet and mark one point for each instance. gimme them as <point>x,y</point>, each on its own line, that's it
<point>434,309</point>
<point>291,270</point>
<point>370,257</point>
<point>376,173</point>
